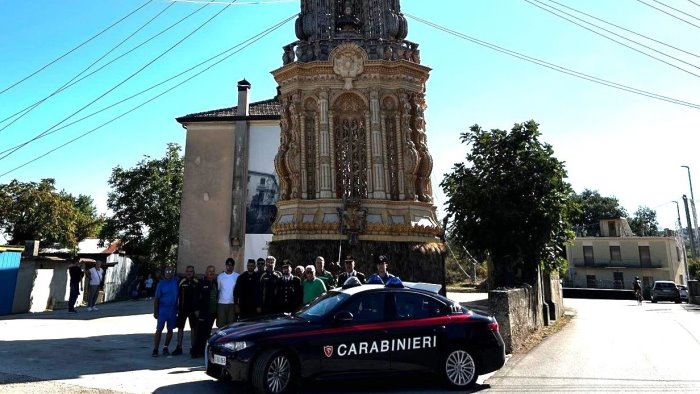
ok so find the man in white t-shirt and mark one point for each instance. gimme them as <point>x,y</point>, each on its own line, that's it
<point>96,274</point>
<point>226,312</point>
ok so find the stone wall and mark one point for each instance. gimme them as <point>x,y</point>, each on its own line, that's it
<point>553,295</point>
<point>518,312</point>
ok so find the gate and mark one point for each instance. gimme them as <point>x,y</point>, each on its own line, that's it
<point>9,266</point>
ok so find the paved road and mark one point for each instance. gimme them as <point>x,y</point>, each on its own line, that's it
<point>610,347</point>
<point>109,351</point>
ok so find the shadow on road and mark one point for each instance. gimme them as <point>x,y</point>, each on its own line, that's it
<point>110,309</point>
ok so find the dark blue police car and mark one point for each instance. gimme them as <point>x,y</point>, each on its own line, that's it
<point>358,331</point>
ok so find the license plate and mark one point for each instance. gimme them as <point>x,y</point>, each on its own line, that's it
<point>218,360</point>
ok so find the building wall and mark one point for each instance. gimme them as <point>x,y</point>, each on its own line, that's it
<point>205,214</point>
<point>666,263</point>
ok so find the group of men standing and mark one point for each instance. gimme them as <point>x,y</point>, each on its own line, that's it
<point>229,296</point>
<point>95,277</point>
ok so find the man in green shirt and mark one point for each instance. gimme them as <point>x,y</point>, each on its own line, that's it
<point>327,278</point>
<point>313,286</point>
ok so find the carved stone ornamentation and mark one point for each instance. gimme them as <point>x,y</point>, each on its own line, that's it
<point>280,165</point>
<point>348,63</point>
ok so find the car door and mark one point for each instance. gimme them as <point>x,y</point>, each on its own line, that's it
<point>355,345</point>
<point>417,332</point>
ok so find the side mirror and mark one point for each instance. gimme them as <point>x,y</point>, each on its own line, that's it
<point>343,317</point>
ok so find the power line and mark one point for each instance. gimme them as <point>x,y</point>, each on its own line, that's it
<point>74,49</point>
<point>555,67</point>
<point>115,59</point>
<point>120,83</point>
<point>676,9</point>
<point>697,4</point>
<point>250,42</point>
<point>614,40</point>
<point>625,29</point>
<point>668,13</point>
<point>36,104</point>
<point>265,32</point>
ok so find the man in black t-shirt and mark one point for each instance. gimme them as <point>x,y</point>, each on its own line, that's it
<point>76,275</point>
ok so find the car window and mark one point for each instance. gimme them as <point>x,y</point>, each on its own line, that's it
<point>417,306</point>
<point>319,308</point>
<point>366,308</point>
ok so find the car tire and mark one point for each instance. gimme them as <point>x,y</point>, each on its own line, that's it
<point>653,300</point>
<point>459,369</point>
<point>273,373</point>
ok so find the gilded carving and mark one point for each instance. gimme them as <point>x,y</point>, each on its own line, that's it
<point>280,157</point>
<point>410,153</point>
<point>425,166</point>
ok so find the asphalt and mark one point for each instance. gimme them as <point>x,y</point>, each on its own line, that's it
<point>105,351</point>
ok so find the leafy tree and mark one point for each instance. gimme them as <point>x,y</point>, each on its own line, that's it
<point>644,223</point>
<point>512,204</point>
<point>593,208</point>
<point>145,201</point>
<point>37,211</point>
<point>694,268</point>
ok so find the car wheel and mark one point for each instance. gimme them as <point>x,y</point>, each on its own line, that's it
<point>653,300</point>
<point>272,373</point>
<point>459,369</point>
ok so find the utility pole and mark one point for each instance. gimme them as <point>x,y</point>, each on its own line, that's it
<point>694,227</point>
<point>685,256</point>
<point>692,239</point>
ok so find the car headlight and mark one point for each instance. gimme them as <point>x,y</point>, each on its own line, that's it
<point>237,346</point>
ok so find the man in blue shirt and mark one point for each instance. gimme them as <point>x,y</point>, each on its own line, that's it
<point>382,275</point>
<point>165,310</point>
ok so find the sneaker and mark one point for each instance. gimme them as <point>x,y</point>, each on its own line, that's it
<point>89,309</point>
<point>155,353</point>
<point>94,308</point>
<point>166,352</point>
<point>177,351</point>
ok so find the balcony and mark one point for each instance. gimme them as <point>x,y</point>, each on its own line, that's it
<point>625,263</point>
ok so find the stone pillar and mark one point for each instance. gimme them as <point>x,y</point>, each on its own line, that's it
<point>375,141</point>
<point>324,145</point>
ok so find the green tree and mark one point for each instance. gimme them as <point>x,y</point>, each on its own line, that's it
<point>644,223</point>
<point>145,201</point>
<point>511,204</point>
<point>593,208</point>
<point>37,211</point>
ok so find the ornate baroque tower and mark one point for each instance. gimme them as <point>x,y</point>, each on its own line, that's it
<point>353,163</point>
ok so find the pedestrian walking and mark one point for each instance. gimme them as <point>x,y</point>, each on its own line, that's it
<point>76,277</point>
<point>96,275</point>
<point>165,310</point>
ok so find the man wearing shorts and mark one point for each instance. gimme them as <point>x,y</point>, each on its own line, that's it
<point>165,310</point>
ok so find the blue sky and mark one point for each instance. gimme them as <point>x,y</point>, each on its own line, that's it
<point>618,143</point>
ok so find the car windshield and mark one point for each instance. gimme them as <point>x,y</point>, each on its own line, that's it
<point>321,306</point>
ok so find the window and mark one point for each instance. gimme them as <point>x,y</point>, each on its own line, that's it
<point>366,308</point>
<point>612,231</point>
<point>262,181</point>
<point>678,253</point>
<point>615,255</point>
<point>588,255</point>
<point>618,281</point>
<point>591,281</point>
<point>644,256</point>
<point>417,306</point>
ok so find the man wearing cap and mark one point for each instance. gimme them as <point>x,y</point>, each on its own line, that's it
<point>321,273</point>
<point>246,291</point>
<point>289,290</point>
<point>226,281</point>
<point>350,272</point>
<point>267,289</point>
<point>165,310</point>
<point>382,274</point>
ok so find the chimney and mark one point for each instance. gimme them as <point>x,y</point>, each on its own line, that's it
<point>243,93</point>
